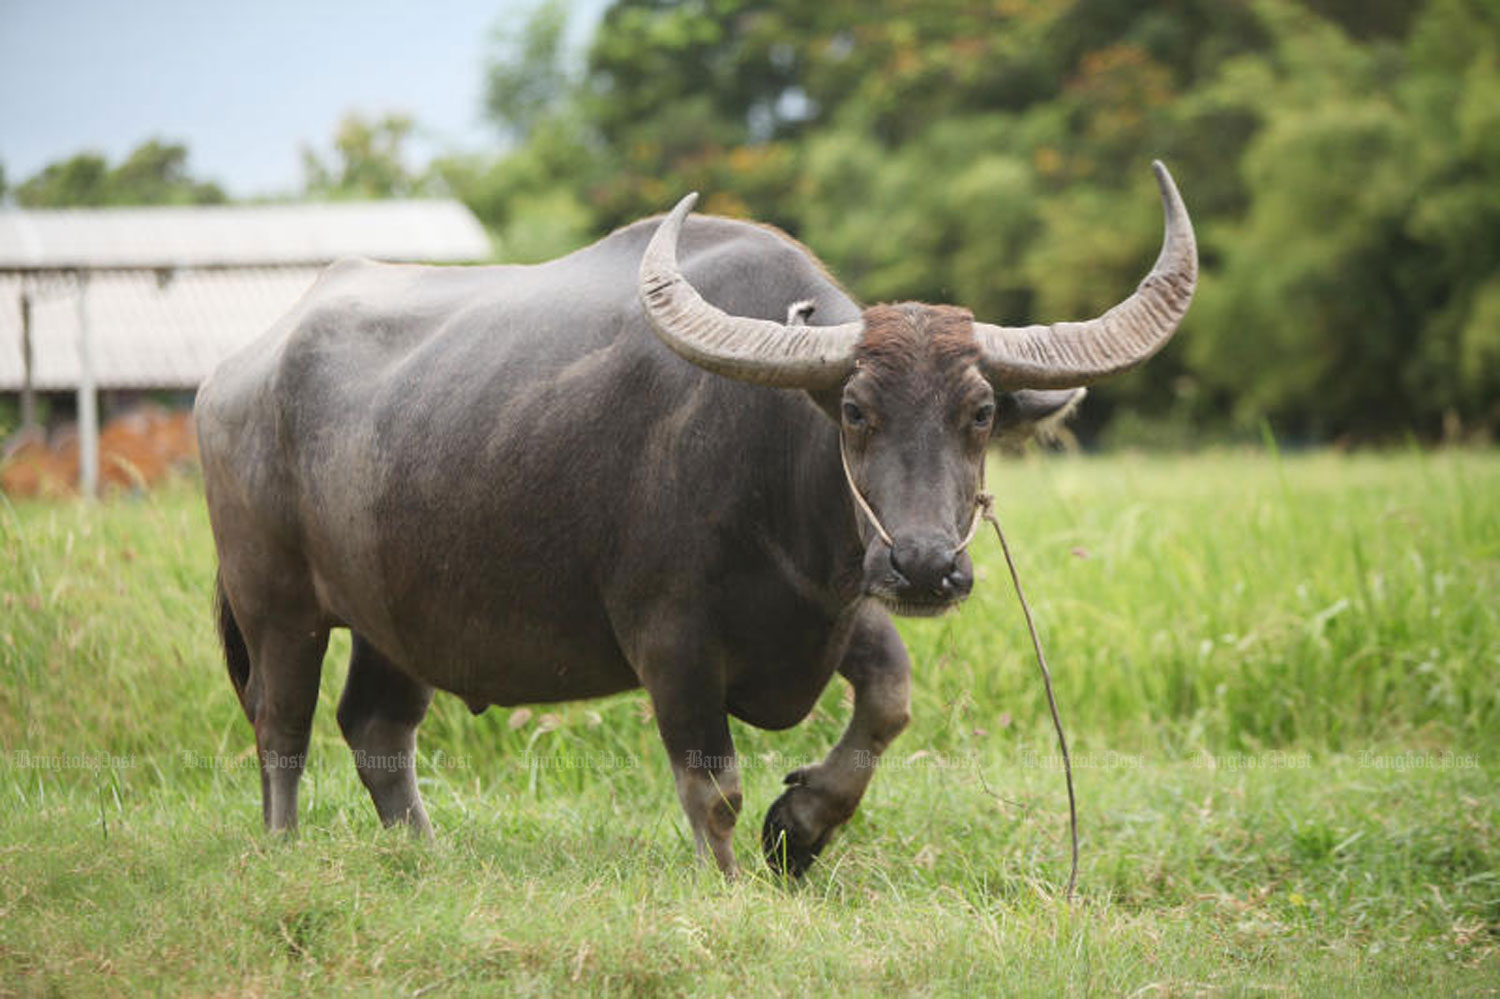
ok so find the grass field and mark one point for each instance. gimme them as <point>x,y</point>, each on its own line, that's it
<point>1279,678</point>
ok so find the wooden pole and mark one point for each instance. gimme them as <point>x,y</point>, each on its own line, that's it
<point>88,399</point>
<point>28,388</point>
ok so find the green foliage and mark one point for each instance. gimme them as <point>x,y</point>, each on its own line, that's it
<point>532,216</point>
<point>369,160</point>
<point>155,173</point>
<point>525,77</point>
<point>81,181</point>
<point>1340,159</point>
<point>1355,285</point>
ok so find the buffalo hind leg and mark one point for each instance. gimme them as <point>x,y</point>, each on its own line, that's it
<point>822,797</point>
<point>379,712</point>
<point>286,665</point>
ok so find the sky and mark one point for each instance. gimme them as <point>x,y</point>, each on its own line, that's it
<point>244,85</point>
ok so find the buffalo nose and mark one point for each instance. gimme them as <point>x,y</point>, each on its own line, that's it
<point>930,564</point>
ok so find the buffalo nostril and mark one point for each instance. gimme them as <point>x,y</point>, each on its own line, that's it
<point>896,566</point>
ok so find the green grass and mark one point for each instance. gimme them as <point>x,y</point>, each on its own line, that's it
<point>1278,678</point>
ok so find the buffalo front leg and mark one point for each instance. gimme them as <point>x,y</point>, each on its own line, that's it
<point>822,797</point>
<point>694,727</point>
<point>379,713</point>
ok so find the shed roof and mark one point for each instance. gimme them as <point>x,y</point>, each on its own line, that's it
<point>146,333</point>
<point>239,235</point>
<point>173,291</point>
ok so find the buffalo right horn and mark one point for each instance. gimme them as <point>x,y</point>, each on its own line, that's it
<point>750,350</point>
<point>1067,355</point>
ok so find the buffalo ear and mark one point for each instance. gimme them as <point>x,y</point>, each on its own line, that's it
<point>1028,413</point>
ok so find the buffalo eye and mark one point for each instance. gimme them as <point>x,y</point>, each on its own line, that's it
<point>984,415</point>
<point>853,416</point>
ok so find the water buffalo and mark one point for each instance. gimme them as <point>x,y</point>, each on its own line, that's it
<point>638,465</point>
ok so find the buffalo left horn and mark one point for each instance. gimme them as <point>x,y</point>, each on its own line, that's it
<point>1066,355</point>
<point>750,350</point>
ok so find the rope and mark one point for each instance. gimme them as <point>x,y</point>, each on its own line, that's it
<point>885,536</point>
<point>986,504</point>
<point>859,498</point>
<point>984,509</point>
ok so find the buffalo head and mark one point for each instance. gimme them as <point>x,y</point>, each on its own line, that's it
<point>918,390</point>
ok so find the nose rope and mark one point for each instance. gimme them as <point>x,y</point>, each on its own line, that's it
<point>984,509</point>
<point>983,504</point>
<point>987,505</point>
<point>859,498</point>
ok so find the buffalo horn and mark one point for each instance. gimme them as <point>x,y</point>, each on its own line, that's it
<point>751,350</point>
<point>1066,355</point>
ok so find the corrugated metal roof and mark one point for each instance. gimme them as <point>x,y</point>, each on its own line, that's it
<point>239,235</point>
<point>146,334</point>
<point>175,290</point>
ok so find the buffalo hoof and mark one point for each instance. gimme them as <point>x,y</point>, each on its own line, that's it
<point>789,850</point>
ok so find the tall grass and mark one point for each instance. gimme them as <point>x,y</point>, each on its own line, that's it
<point>1279,676</point>
<point>1227,601</point>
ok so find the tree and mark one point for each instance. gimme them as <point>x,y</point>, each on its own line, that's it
<point>155,173</point>
<point>1340,159</point>
<point>526,79</point>
<point>80,181</point>
<point>369,160</point>
<point>1356,295</point>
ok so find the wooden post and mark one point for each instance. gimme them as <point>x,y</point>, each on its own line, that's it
<point>88,399</point>
<point>28,388</point>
